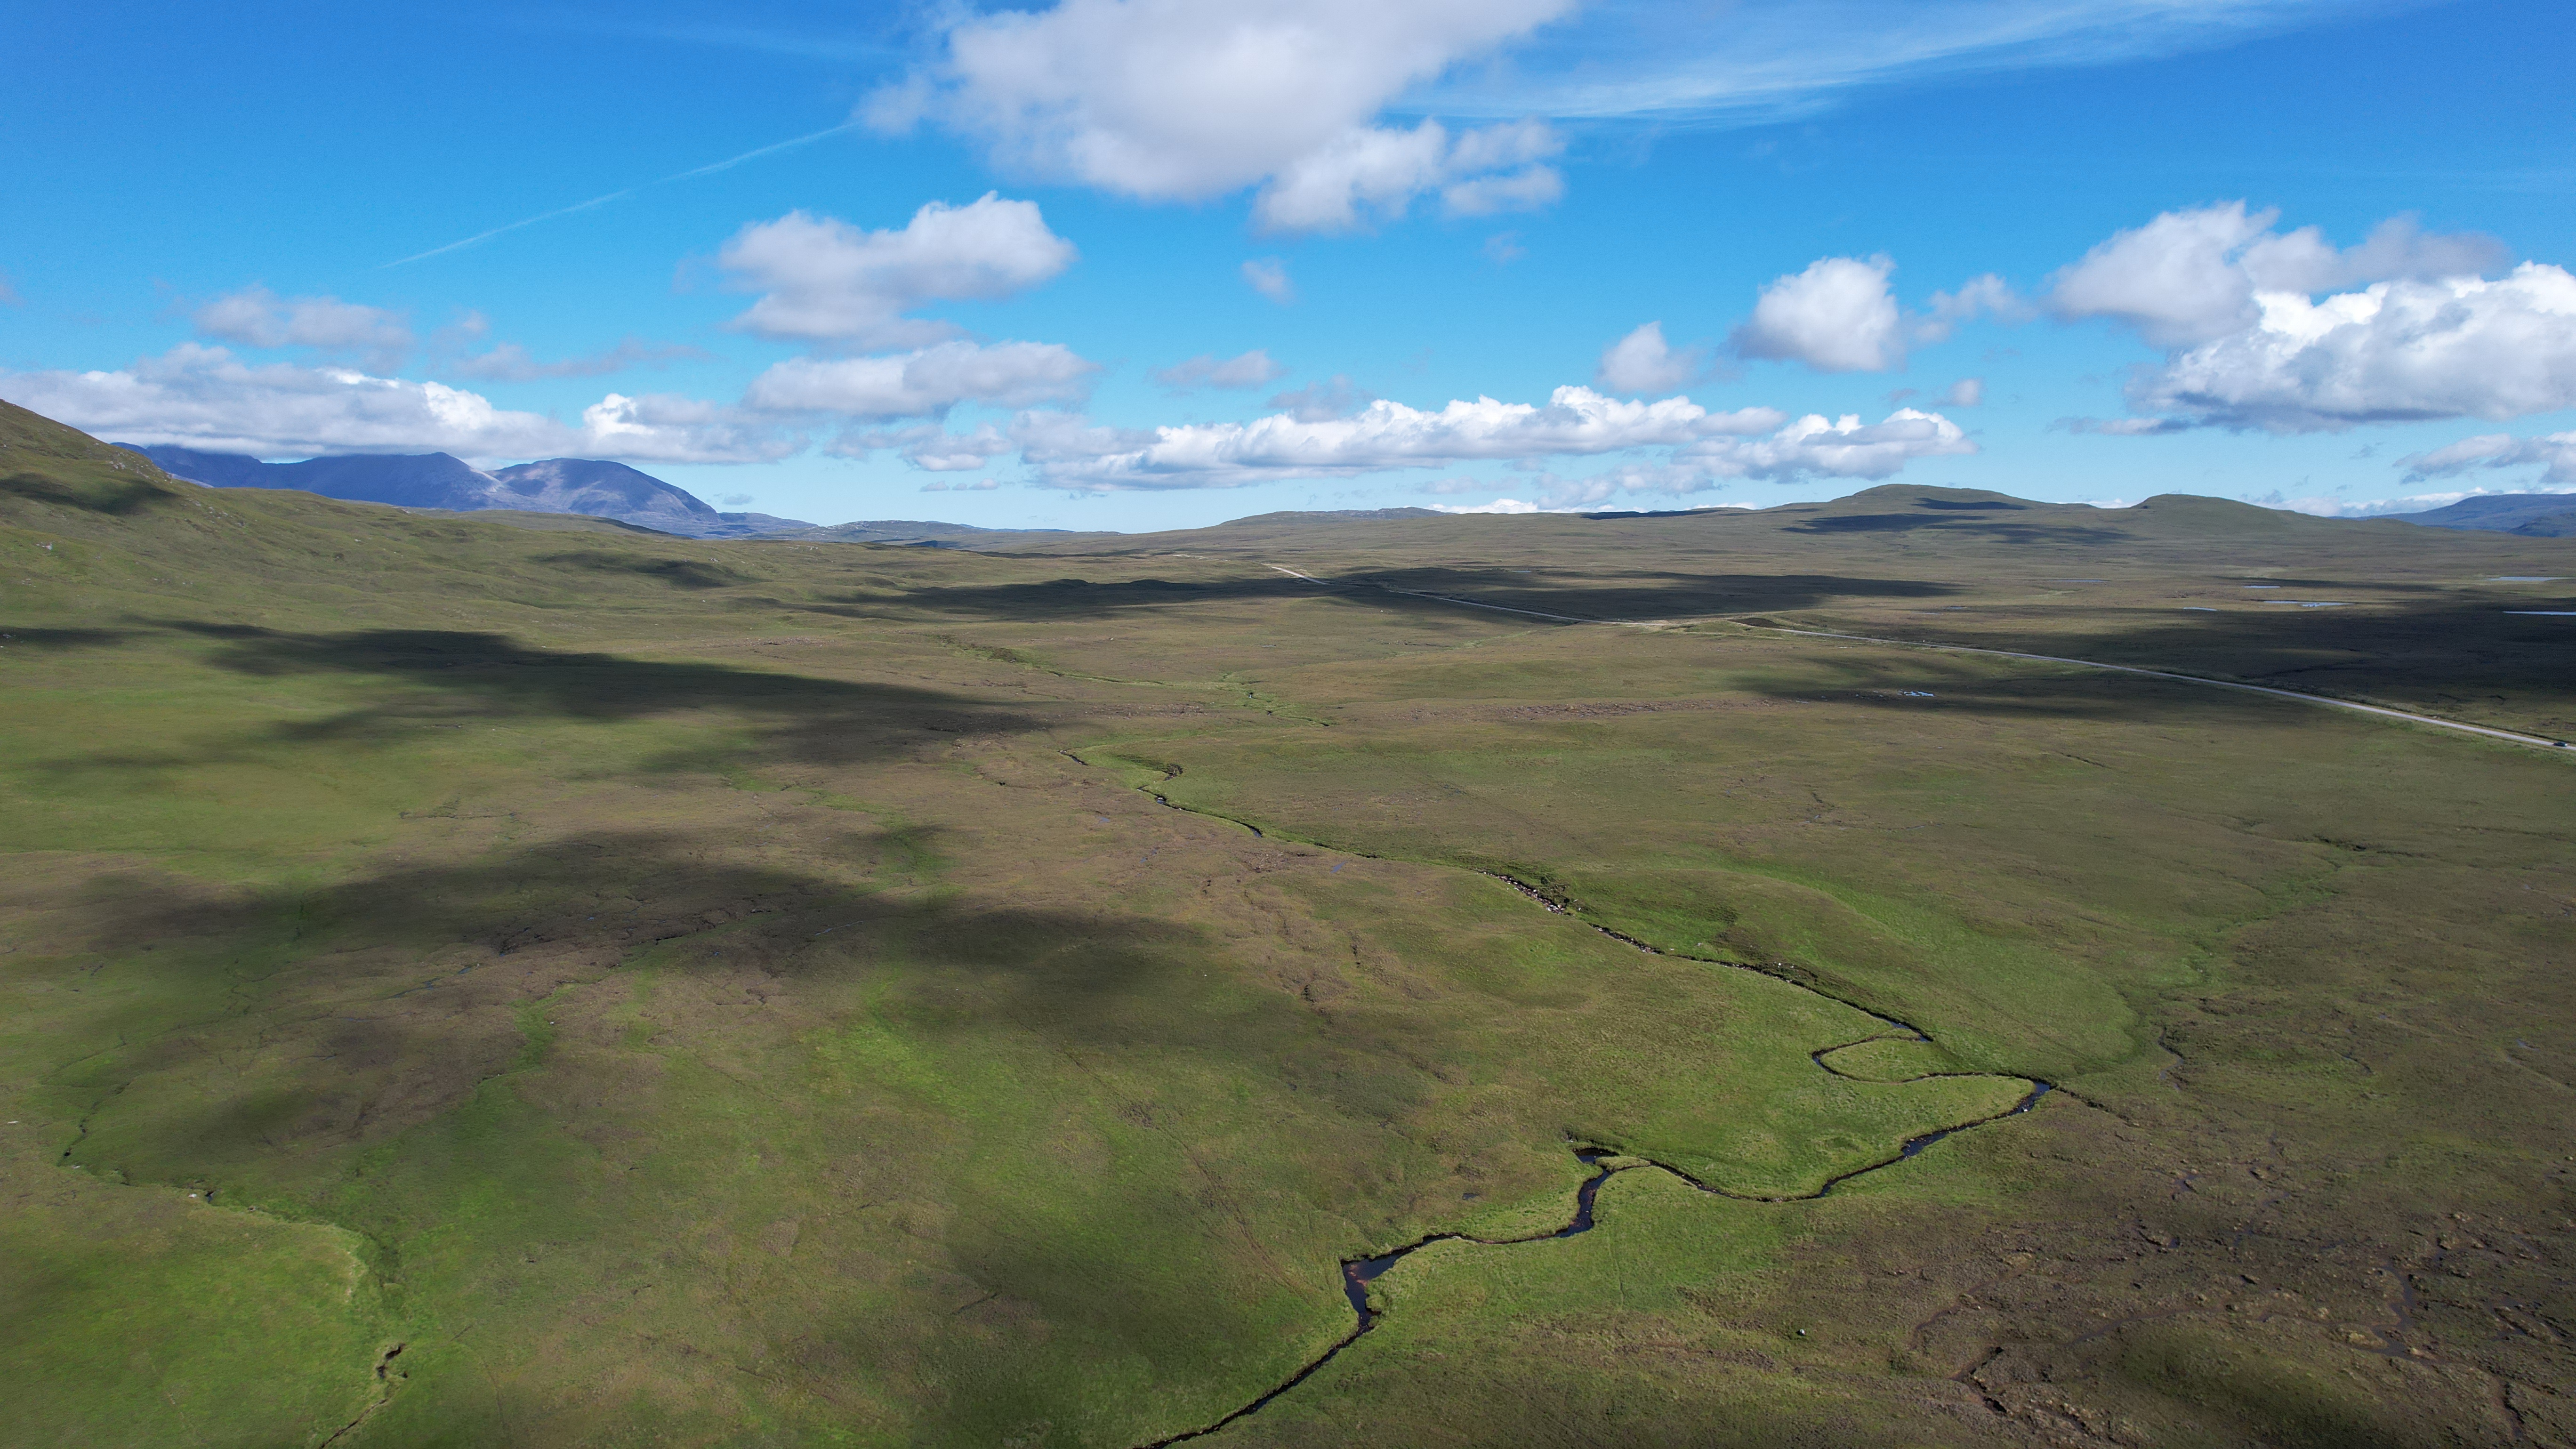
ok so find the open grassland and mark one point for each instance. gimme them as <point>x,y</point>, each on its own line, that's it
<point>473,984</point>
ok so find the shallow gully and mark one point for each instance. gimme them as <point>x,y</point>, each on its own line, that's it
<point>1358,1273</point>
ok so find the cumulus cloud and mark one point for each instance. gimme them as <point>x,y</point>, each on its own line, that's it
<point>1810,447</point>
<point>2193,276</point>
<point>1967,392</point>
<point>1372,173</point>
<point>1841,315</point>
<point>1986,296</point>
<point>1384,435</point>
<point>670,428</point>
<point>1252,369</point>
<point>827,281</point>
<point>924,383</point>
<point>2395,351</point>
<point>1269,277</point>
<point>2554,454</point>
<point>1844,447</point>
<point>1643,362</point>
<point>1187,99</point>
<point>1836,316</point>
<point>2409,328</point>
<point>929,447</point>
<point>510,362</point>
<point>1688,448</point>
<point>258,317</point>
<point>205,397</point>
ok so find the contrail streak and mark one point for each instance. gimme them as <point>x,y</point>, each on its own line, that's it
<point>706,170</point>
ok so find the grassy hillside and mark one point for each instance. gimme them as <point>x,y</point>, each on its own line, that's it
<point>472,984</point>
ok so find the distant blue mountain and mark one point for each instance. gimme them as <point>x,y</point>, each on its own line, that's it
<point>436,480</point>
<point>2533,515</point>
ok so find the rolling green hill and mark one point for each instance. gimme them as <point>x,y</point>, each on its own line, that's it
<point>473,984</point>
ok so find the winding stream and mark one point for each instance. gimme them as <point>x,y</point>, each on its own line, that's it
<point>1607,1162</point>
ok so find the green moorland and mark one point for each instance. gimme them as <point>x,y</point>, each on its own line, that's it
<point>479,981</point>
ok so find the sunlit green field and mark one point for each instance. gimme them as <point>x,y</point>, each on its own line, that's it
<point>471,983</point>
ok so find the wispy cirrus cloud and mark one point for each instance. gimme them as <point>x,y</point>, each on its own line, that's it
<point>511,362</point>
<point>604,198</point>
<point>1671,62</point>
<point>1250,369</point>
<point>1336,112</point>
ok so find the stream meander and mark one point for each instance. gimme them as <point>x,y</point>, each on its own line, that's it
<point>1607,1162</point>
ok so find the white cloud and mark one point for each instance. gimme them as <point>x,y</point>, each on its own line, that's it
<point>1643,362</point>
<point>924,383</point>
<point>1372,173</point>
<point>1269,277</point>
<point>1386,435</point>
<point>669,428</point>
<point>2553,453</point>
<point>1188,99</point>
<point>1836,316</point>
<point>1967,392</point>
<point>510,362</point>
<point>258,317</point>
<point>1760,60</point>
<point>1699,449</point>
<point>2322,506</point>
<point>1841,448</point>
<point>2193,276</point>
<point>827,281</point>
<point>1252,369</point>
<point>1334,397</point>
<point>929,447</point>
<point>1531,188</point>
<point>2122,427</point>
<point>2395,351</point>
<point>204,397</point>
<point>2408,329</point>
<point>1986,296</point>
<point>1499,505</point>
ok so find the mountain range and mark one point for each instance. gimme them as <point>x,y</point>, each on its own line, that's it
<point>2533,515</point>
<point>591,486</point>
<point>602,489</point>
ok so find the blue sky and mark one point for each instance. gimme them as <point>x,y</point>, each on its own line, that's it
<point>2301,251</point>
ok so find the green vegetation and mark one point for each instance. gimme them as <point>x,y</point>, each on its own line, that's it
<point>471,984</point>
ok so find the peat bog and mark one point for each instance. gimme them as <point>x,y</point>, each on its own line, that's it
<point>481,989</point>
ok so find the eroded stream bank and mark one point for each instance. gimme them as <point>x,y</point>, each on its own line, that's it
<point>1608,1162</point>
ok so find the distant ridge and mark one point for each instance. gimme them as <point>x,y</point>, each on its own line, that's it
<point>2532,515</point>
<point>589,486</point>
<point>1308,515</point>
<point>922,532</point>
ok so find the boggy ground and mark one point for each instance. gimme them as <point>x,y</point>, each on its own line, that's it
<point>471,984</point>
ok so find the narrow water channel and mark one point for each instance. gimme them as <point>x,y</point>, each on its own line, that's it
<point>1606,1162</point>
